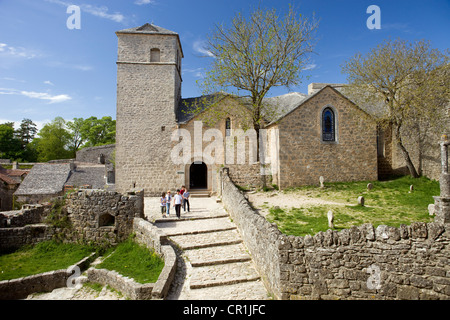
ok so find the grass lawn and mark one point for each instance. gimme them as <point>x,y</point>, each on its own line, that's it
<point>134,261</point>
<point>43,257</point>
<point>389,203</point>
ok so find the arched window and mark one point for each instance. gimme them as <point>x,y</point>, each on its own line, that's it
<point>228,127</point>
<point>328,125</point>
<point>155,55</point>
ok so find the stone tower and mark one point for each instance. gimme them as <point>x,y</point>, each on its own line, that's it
<point>148,95</point>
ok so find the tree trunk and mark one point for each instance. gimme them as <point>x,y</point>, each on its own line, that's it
<point>405,153</point>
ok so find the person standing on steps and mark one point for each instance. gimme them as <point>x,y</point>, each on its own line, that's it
<point>177,200</point>
<point>168,199</point>
<point>163,204</point>
<point>186,195</point>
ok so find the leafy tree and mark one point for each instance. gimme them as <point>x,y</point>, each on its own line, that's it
<point>53,141</point>
<point>409,83</point>
<point>9,146</point>
<point>77,138</point>
<point>26,132</point>
<point>98,131</point>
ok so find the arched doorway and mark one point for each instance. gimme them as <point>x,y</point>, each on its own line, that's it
<point>198,176</point>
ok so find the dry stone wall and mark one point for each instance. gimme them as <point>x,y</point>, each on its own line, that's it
<point>409,262</point>
<point>103,216</point>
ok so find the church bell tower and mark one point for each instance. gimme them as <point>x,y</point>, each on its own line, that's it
<point>148,95</point>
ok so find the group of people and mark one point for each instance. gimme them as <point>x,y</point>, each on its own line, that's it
<point>180,199</point>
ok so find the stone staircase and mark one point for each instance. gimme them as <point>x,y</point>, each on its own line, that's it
<point>215,263</point>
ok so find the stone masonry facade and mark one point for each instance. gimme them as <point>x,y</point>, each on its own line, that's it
<point>304,157</point>
<point>150,110</point>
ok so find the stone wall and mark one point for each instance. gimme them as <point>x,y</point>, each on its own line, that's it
<point>409,262</point>
<point>14,238</point>
<point>29,214</point>
<point>103,216</point>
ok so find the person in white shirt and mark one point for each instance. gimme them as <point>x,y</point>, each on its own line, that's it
<point>177,200</point>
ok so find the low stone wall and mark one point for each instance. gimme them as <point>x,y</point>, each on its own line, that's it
<point>134,290</point>
<point>409,262</point>
<point>29,214</point>
<point>153,238</point>
<point>14,238</point>
<point>103,216</point>
<point>44,282</point>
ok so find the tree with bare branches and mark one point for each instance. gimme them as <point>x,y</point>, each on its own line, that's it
<point>409,82</point>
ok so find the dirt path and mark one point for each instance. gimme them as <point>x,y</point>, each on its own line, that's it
<point>263,201</point>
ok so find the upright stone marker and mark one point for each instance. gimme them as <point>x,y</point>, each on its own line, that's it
<point>321,180</point>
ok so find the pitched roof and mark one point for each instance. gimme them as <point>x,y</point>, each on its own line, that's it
<point>148,28</point>
<point>5,178</point>
<point>283,104</point>
<point>191,107</point>
<point>151,29</point>
<point>93,175</point>
<point>45,178</point>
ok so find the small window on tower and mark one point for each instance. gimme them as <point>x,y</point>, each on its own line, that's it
<point>155,55</point>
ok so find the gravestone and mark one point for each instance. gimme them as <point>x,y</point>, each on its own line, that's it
<point>369,186</point>
<point>361,201</point>
<point>330,219</point>
<point>321,180</point>
<point>431,209</point>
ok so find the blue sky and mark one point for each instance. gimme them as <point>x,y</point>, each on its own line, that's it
<point>48,70</point>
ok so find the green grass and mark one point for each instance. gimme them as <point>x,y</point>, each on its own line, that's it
<point>389,203</point>
<point>43,257</point>
<point>134,261</point>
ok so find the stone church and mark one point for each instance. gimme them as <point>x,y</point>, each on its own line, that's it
<point>319,134</point>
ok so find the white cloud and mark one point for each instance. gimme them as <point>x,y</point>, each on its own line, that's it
<point>49,83</point>
<point>101,12</point>
<point>46,96</point>
<point>36,95</point>
<point>39,124</point>
<point>199,46</point>
<point>141,2</point>
<point>197,72</point>
<point>310,66</point>
<point>18,52</point>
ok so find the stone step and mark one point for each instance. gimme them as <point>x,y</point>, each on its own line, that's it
<point>200,193</point>
<point>223,274</point>
<point>207,239</point>
<point>184,227</point>
<point>190,217</point>
<point>217,255</point>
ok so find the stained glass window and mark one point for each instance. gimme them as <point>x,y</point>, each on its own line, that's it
<point>328,125</point>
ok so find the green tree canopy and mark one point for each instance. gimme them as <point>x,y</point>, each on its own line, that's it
<point>10,147</point>
<point>96,132</point>
<point>54,140</point>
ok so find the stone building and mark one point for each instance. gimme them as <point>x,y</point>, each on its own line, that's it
<point>10,180</point>
<point>319,134</point>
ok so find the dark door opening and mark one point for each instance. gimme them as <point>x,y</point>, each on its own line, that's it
<point>198,176</point>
